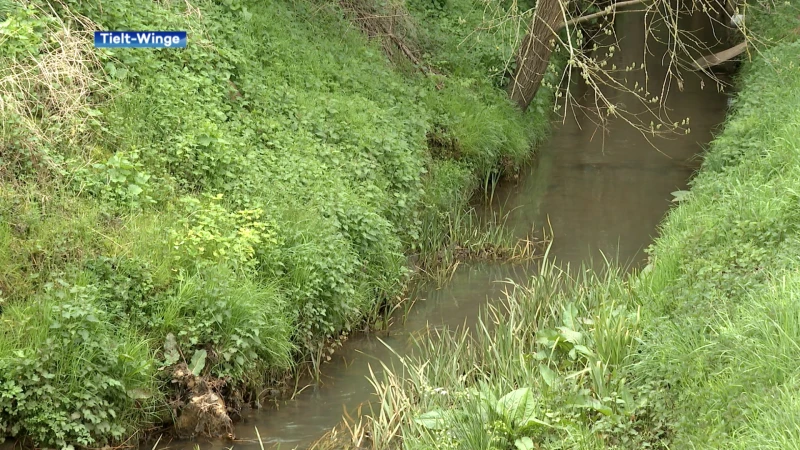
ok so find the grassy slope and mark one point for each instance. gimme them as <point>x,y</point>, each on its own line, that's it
<point>250,196</point>
<point>698,351</point>
<point>722,304</point>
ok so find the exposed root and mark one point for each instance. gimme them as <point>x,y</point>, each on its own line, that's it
<point>202,412</point>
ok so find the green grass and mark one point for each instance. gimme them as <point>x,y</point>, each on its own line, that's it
<point>548,363</point>
<point>239,202</point>
<point>721,298</point>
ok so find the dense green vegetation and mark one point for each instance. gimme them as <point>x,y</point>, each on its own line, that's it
<point>229,206</point>
<point>699,350</point>
<point>721,302</point>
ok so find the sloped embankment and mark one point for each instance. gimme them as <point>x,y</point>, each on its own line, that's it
<point>194,221</point>
<point>722,301</point>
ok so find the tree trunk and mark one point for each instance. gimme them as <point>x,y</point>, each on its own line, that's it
<point>534,53</point>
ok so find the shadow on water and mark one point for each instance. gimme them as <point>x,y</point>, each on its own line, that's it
<point>603,193</point>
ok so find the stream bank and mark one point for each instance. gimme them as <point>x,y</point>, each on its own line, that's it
<point>222,209</point>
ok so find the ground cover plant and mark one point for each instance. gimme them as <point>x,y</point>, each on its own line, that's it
<point>698,350</point>
<point>224,208</point>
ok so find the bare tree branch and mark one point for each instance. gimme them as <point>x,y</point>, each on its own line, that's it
<point>608,10</point>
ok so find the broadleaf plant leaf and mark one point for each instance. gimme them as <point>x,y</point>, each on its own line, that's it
<point>524,443</point>
<point>518,406</point>
<point>171,353</point>
<point>433,420</point>
<point>548,374</point>
<point>198,362</point>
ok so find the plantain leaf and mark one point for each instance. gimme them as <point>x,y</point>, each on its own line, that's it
<point>518,406</point>
<point>433,420</point>
<point>524,443</point>
<point>548,374</point>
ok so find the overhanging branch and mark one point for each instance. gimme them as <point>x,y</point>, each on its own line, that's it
<point>608,10</point>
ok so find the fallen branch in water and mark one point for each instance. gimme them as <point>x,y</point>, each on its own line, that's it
<point>707,61</point>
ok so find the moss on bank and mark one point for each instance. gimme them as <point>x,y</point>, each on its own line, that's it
<point>228,206</point>
<point>699,350</point>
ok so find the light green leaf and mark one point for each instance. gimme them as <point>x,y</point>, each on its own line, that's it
<point>134,190</point>
<point>568,315</point>
<point>679,196</point>
<point>587,402</point>
<point>547,337</point>
<point>570,335</point>
<point>204,140</point>
<point>138,394</point>
<point>116,176</point>
<point>548,374</point>
<point>198,362</point>
<point>171,354</point>
<point>524,443</point>
<point>518,406</point>
<point>432,420</point>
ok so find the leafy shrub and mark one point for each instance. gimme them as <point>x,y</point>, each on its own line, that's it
<point>126,289</point>
<point>373,239</point>
<point>122,180</point>
<point>320,274</point>
<point>22,29</point>
<point>67,375</point>
<point>209,234</point>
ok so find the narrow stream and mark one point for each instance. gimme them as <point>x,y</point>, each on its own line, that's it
<point>604,195</point>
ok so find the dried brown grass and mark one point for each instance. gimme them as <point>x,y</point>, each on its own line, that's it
<point>46,99</point>
<point>392,25</point>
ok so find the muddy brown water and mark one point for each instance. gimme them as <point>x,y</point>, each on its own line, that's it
<point>603,194</point>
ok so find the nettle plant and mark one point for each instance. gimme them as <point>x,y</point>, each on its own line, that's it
<point>122,179</point>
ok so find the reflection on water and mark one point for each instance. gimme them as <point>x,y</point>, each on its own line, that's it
<point>603,193</point>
